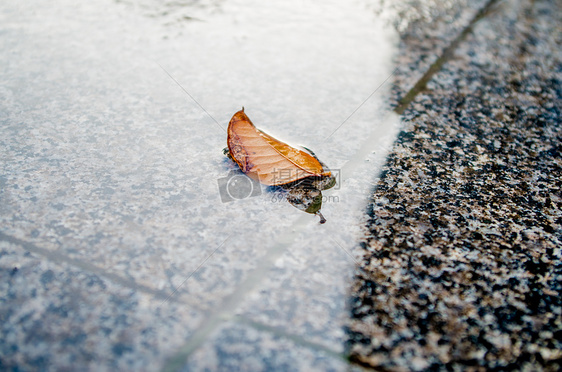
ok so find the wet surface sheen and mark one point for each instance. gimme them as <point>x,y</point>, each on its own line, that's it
<point>113,226</point>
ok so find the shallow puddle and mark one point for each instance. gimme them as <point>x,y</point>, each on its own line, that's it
<point>114,118</point>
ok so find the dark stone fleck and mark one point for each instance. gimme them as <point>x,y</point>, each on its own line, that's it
<point>119,349</point>
<point>47,277</point>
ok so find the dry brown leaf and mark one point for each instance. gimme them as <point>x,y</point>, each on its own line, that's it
<point>267,159</point>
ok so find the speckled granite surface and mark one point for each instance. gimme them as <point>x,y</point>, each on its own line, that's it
<point>462,268</point>
<point>110,258</point>
<point>431,26</point>
<point>58,314</point>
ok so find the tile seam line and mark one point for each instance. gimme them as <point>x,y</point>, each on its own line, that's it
<point>259,326</point>
<point>227,309</point>
<point>57,257</point>
<point>445,56</point>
